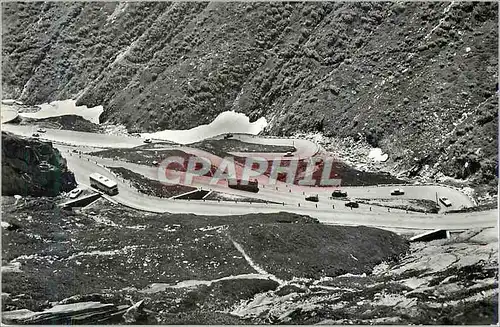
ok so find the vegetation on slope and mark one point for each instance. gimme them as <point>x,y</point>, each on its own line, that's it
<point>109,249</point>
<point>417,79</point>
<point>33,167</point>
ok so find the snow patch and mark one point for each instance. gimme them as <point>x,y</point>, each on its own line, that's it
<point>119,9</point>
<point>11,101</point>
<point>376,154</point>
<point>12,267</point>
<point>8,114</point>
<point>225,122</point>
<point>65,107</point>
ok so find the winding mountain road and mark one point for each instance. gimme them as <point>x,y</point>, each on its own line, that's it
<point>327,210</point>
<point>340,215</point>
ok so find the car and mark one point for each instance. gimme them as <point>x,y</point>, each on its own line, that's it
<point>339,194</point>
<point>445,201</point>
<point>227,136</point>
<point>75,193</point>
<point>352,204</point>
<point>155,163</point>
<point>44,165</point>
<point>397,191</point>
<point>289,154</point>
<point>41,130</point>
<point>147,141</point>
<point>312,198</point>
<point>36,135</point>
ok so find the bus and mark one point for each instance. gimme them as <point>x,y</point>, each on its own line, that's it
<point>103,183</point>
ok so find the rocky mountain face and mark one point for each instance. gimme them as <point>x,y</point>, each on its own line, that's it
<point>33,167</point>
<point>417,79</point>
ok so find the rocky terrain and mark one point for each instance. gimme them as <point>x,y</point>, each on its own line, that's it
<point>444,282</point>
<point>109,264</point>
<point>417,79</point>
<point>184,267</point>
<point>33,167</point>
<point>67,122</point>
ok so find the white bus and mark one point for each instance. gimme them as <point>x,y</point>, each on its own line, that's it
<point>103,183</point>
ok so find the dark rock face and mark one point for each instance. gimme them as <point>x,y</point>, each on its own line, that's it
<point>33,167</point>
<point>417,79</point>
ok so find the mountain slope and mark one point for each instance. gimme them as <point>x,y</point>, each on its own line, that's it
<point>417,79</point>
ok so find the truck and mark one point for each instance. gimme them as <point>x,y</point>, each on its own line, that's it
<point>238,184</point>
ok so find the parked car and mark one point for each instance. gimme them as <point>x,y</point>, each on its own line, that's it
<point>445,201</point>
<point>289,154</point>
<point>339,194</point>
<point>44,165</point>
<point>36,135</point>
<point>75,193</point>
<point>147,141</point>
<point>155,163</point>
<point>312,198</point>
<point>397,191</point>
<point>227,136</point>
<point>352,204</point>
<point>41,130</point>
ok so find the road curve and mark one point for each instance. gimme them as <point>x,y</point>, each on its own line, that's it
<point>304,148</point>
<point>77,138</point>
<point>290,195</point>
<point>324,213</point>
<point>8,114</point>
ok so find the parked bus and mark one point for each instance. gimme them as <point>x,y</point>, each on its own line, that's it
<point>103,183</point>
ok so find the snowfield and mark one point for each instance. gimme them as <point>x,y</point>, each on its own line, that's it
<point>225,122</point>
<point>376,154</point>
<point>65,107</point>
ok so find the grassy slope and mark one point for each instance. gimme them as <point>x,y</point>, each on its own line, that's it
<point>66,122</point>
<point>149,186</point>
<point>229,145</point>
<point>167,248</point>
<point>317,250</point>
